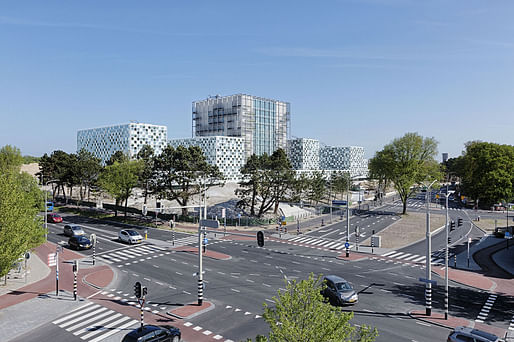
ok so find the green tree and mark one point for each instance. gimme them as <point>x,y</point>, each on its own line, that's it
<point>340,181</point>
<point>182,173</point>
<point>119,179</point>
<point>20,227</point>
<point>117,156</point>
<point>88,168</point>
<point>249,185</point>
<point>146,154</point>
<point>488,172</point>
<point>55,167</point>
<point>300,313</point>
<point>406,161</point>
<point>10,159</point>
<point>317,187</point>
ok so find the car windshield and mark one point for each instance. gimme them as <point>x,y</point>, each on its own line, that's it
<point>344,286</point>
<point>76,228</point>
<point>132,233</point>
<point>82,239</point>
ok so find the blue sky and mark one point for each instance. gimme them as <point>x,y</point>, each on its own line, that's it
<point>356,72</point>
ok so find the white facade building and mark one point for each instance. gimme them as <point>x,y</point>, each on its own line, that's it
<point>227,153</point>
<point>263,123</point>
<point>303,153</point>
<point>128,138</point>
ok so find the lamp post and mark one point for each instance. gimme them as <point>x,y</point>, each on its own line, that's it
<point>348,215</point>
<point>46,206</point>
<point>428,289</point>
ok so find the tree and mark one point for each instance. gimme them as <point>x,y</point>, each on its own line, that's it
<point>339,181</point>
<point>56,168</point>
<point>181,173</point>
<point>146,154</point>
<point>20,227</point>
<point>487,172</point>
<point>10,159</point>
<point>88,169</point>
<point>317,186</point>
<point>119,179</point>
<point>406,161</point>
<point>266,181</point>
<point>117,156</point>
<point>300,313</point>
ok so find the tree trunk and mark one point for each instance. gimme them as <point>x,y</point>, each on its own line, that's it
<point>116,207</point>
<point>404,206</point>
<point>64,194</point>
<point>126,203</point>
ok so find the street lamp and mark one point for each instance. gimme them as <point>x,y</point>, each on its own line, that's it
<point>446,302</point>
<point>348,215</point>
<point>46,201</point>
<point>428,289</point>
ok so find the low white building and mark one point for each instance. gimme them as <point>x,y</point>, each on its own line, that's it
<point>227,153</point>
<point>129,138</point>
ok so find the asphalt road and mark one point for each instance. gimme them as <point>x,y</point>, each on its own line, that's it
<point>238,287</point>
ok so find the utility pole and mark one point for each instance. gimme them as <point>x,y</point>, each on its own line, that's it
<point>200,254</point>
<point>446,262</point>
<point>348,216</point>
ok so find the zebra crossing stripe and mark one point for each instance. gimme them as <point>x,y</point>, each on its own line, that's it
<point>388,253</point>
<point>395,255</point>
<point>114,331</point>
<point>80,324</point>
<point>112,315</point>
<point>412,257</point>
<point>403,256</point>
<point>419,259</point>
<point>76,313</point>
<point>73,321</point>
<point>81,307</point>
<point>331,244</point>
<point>98,328</point>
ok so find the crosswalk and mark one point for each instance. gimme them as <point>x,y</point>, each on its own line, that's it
<point>131,253</point>
<point>412,257</point>
<point>314,241</point>
<point>94,322</point>
<point>184,241</point>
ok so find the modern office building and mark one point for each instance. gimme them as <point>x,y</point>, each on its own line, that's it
<point>445,157</point>
<point>350,158</point>
<point>225,152</point>
<point>303,153</point>
<point>307,156</point>
<point>128,138</point>
<point>263,123</point>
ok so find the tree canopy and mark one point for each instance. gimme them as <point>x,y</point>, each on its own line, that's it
<point>406,161</point>
<point>181,173</point>
<point>300,313</point>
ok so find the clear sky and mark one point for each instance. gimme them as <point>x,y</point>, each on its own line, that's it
<point>356,72</point>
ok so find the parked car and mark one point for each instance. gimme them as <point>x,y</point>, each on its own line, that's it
<point>130,236</point>
<point>73,229</point>
<point>79,242</point>
<point>466,334</point>
<point>165,333</point>
<point>54,218</point>
<point>339,291</point>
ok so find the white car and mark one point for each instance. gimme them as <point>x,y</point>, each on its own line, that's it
<point>129,236</point>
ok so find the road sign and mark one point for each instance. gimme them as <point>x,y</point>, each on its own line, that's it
<point>92,237</point>
<point>27,255</point>
<point>223,213</point>
<point>209,223</point>
<point>238,216</point>
<point>433,282</point>
<point>338,202</point>
<point>346,245</point>
<point>52,260</point>
<point>205,240</point>
<point>145,210</point>
<point>508,235</point>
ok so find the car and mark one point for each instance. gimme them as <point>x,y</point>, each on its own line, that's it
<point>79,242</point>
<point>465,334</point>
<point>339,291</point>
<point>73,229</point>
<point>130,236</point>
<point>163,333</point>
<point>54,218</point>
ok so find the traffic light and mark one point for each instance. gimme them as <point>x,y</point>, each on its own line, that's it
<point>145,291</point>
<point>452,225</point>
<point>449,240</point>
<point>137,290</point>
<point>459,222</point>
<point>260,238</point>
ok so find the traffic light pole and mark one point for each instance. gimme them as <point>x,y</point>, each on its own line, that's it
<point>428,289</point>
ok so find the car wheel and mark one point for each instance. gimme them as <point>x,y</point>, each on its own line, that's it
<point>175,339</point>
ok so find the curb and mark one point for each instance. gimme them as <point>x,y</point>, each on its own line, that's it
<point>435,323</point>
<point>211,307</point>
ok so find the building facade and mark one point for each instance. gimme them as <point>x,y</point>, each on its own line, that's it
<point>349,158</point>
<point>304,153</point>
<point>129,138</point>
<point>263,123</point>
<point>227,153</point>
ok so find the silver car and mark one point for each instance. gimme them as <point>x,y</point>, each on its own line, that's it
<point>73,230</point>
<point>130,236</point>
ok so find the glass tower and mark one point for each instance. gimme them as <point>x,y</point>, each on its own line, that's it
<point>263,123</point>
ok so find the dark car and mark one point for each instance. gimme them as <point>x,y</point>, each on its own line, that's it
<point>54,218</point>
<point>73,230</point>
<point>466,334</point>
<point>339,291</point>
<point>154,333</point>
<point>79,242</point>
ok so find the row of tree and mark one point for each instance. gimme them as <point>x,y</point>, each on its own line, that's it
<point>20,201</point>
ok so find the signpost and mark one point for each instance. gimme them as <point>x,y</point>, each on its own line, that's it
<point>224,217</point>
<point>92,237</point>
<point>75,271</point>
<point>428,281</point>
<point>508,236</point>
<point>469,241</point>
